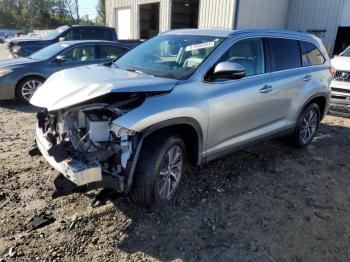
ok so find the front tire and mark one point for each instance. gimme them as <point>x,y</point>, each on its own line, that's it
<point>159,171</point>
<point>26,88</point>
<point>307,126</point>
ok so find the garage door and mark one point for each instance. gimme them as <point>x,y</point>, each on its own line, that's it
<point>345,15</point>
<point>123,23</point>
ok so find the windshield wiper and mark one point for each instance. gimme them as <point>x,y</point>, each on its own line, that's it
<point>138,71</point>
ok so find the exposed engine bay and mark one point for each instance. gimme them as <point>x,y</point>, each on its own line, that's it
<point>85,143</point>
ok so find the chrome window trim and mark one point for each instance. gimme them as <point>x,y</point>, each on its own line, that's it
<point>265,74</point>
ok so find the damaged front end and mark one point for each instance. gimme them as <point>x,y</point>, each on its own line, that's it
<point>86,145</point>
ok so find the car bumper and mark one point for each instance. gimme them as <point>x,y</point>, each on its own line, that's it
<point>7,88</point>
<point>340,100</point>
<point>77,172</point>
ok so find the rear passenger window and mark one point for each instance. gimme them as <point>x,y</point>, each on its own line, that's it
<point>101,34</point>
<point>77,34</point>
<point>111,52</point>
<point>311,54</point>
<point>285,54</point>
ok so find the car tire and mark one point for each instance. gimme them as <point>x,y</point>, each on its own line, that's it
<point>307,126</point>
<point>26,88</point>
<point>155,180</point>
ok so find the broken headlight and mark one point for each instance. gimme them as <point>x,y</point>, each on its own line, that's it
<point>121,131</point>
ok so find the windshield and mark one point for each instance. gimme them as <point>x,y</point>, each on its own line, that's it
<point>49,51</point>
<point>55,33</point>
<point>171,56</point>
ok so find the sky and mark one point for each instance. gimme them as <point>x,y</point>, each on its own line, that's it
<point>88,7</point>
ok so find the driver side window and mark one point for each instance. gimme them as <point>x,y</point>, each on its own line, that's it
<point>80,54</point>
<point>248,53</point>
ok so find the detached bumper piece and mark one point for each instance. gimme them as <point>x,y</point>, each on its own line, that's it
<point>80,175</point>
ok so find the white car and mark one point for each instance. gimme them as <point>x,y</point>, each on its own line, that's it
<point>340,102</point>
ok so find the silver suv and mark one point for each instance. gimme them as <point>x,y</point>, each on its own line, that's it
<point>183,97</point>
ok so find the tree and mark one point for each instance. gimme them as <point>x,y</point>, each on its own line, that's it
<point>101,12</point>
<point>40,14</point>
<point>73,8</point>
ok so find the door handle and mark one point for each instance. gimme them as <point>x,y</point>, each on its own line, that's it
<point>307,77</point>
<point>266,89</point>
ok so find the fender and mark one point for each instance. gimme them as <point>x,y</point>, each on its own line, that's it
<point>324,95</point>
<point>148,131</point>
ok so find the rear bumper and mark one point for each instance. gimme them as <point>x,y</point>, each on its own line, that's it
<point>77,172</point>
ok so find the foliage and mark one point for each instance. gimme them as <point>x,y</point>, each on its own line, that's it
<point>101,12</point>
<point>40,14</point>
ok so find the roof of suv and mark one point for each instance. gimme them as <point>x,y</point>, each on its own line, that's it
<point>228,33</point>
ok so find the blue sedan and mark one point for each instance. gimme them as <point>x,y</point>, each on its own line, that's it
<point>19,78</point>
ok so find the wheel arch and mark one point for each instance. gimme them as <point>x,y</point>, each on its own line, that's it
<point>20,80</point>
<point>321,100</point>
<point>188,128</point>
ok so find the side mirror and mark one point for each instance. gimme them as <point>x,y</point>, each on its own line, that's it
<point>61,39</point>
<point>59,59</point>
<point>229,70</point>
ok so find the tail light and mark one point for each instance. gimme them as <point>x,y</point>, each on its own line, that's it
<point>332,70</point>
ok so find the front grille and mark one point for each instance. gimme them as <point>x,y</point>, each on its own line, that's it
<point>342,76</point>
<point>340,90</point>
<point>339,97</point>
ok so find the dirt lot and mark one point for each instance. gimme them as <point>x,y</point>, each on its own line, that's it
<point>4,53</point>
<point>268,203</point>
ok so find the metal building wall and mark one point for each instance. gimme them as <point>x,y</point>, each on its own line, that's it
<point>216,13</point>
<point>212,13</point>
<point>345,15</point>
<point>262,13</point>
<point>316,15</point>
<point>112,5</point>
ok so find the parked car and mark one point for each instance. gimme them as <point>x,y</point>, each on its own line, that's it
<point>184,96</point>
<point>19,78</point>
<point>340,102</point>
<point>34,35</point>
<point>25,47</point>
<point>2,38</point>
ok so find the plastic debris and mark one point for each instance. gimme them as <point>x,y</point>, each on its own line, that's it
<point>39,221</point>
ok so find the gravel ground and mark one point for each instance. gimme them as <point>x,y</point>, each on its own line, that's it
<point>4,53</point>
<point>268,203</point>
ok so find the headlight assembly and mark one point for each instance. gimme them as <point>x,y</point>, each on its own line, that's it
<point>4,72</point>
<point>121,131</point>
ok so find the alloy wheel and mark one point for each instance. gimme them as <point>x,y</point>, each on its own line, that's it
<point>170,172</point>
<point>308,127</point>
<point>29,87</point>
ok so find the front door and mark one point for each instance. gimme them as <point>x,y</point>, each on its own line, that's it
<point>239,109</point>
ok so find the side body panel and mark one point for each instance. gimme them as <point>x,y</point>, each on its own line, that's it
<point>236,115</point>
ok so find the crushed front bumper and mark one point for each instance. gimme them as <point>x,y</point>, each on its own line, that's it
<point>77,172</point>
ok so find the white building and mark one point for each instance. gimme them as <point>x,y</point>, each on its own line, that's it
<point>141,19</point>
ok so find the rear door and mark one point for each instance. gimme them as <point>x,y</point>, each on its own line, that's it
<point>288,79</point>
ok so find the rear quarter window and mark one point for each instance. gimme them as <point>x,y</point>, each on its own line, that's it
<point>285,54</point>
<point>311,55</point>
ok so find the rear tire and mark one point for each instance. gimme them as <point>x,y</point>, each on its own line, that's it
<point>307,126</point>
<point>26,88</point>
<point>159,170</point>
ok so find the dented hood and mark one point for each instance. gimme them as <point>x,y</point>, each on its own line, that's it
<point>80,84</point>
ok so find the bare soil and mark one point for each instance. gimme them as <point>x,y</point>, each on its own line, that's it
<point>270,202</point>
